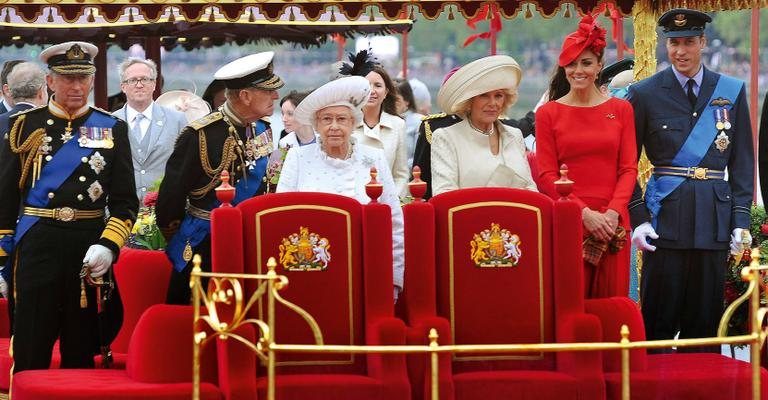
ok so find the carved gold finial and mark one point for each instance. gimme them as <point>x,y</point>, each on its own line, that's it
<point>225,192</point>
<point>564,186</point>
<point>433,337</point>
<point>271,264</point>
<point>373,188</point>
<point>417,187</point>
<point>624,333</point>
<point>197,261</point>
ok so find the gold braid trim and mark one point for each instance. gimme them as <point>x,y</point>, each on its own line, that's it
<point>27,150</point>
<point>428,132</point>
<point>228,156</point>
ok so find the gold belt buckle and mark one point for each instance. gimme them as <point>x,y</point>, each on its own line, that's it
<point>65,214</point>
<point>700,173</point>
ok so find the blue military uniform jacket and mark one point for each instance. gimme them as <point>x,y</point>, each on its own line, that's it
<point>698,214</point>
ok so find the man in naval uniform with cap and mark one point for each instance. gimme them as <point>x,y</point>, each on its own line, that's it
<point>236,138</point>
<point>694,124</point>
<point>61,167</point>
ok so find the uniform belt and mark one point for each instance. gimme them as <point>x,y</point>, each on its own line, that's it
<point>199,212</point>
<point>690,172</point>
<point>65,214</point>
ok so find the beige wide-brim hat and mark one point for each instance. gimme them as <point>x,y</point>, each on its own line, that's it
<point>478,77</point>
<point>192,105</point>
<point>350,91</point>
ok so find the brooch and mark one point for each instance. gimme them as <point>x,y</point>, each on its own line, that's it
<point>610,116</point>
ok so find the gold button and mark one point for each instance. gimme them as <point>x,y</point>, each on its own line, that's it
<point>80,197</point>
<point>84,159</point>
<point>49,122</point>
<point>82,179</point>
<point>51,195</point>
<point>48,158</point>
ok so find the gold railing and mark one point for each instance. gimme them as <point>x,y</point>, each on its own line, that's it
<point>226,290</point>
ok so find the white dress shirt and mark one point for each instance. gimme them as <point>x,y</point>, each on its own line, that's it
<point>309,169</point>
<point>131,114</point>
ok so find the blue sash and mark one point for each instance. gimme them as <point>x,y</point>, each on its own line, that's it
<point>693,150</point>
<point>53,175</point>
<point>193,230</point>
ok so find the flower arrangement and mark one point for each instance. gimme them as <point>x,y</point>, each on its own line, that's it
<point>145,233</point>
<point>274,166</point>
<point>734,285</point>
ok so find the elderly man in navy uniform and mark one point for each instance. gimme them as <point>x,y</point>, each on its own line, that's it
<point>61,167</point>
<point>694,124</point>
<point>235,138</point>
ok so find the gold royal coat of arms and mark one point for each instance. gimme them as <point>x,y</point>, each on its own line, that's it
<point>495,247</point>
<point>305,251</point>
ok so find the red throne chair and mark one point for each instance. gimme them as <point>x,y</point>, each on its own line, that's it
<point>668,376</point>
<point>499,266</point>
<point>337,256</point>
<point>142,276</point>
<point>158,366</point>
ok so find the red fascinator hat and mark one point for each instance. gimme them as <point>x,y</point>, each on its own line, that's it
<point>590,35</point>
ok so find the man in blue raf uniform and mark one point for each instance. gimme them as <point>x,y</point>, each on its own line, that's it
<point>694,124</point>
<point>233,138</point>
<point>62,165</point>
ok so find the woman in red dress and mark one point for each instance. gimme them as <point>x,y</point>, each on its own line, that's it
<point>594,135</point>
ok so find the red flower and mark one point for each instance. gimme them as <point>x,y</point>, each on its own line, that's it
<point>764,229</point>
<point>150,199</point>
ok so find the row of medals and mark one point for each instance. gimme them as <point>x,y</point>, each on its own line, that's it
<point>722,123</point>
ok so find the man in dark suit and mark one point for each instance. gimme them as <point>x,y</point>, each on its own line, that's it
<point>26,85</point>
<point>68,200</point>
<point>6,103</point>
<point>236,138</point>
<point>694,123</point>
<point>762,151</point>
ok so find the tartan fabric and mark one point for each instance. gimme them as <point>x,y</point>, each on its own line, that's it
<point>594,249</point>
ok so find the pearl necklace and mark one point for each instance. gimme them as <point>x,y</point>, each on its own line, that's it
<point>480,131</point>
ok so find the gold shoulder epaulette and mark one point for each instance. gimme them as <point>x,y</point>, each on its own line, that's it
<point>433,116</point>
<point>103,111</point>
<point>206,120</point>
<point>29,110</point>
<point>267,119</point>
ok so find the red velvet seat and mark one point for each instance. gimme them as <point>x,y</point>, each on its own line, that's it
<point>143,277</point>
<point>159,366</point>
<point>492,266</point>
<point>668,376</point>
<point>351,298</point>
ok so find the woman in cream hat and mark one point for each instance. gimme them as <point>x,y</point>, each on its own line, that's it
<point>480,151</point>
<point>336,163</point>
<point>594,134</point>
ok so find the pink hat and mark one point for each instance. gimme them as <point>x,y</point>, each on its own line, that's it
<point>590,35</point>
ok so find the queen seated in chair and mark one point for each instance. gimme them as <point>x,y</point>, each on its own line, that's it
<point>336,164</point>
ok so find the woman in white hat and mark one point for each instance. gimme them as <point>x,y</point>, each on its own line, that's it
<point>336,163</point>
<point>480,151</point>
<point>381,127</point>
<point>594,135</point>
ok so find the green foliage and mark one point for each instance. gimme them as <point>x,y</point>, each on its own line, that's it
<point>734,285</point>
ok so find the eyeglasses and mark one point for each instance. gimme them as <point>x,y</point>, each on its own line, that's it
<point>136,81</point>
<point>327,120</point>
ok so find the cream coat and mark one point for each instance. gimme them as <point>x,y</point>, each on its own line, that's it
<point>391,139</point>
<point>461,158</point>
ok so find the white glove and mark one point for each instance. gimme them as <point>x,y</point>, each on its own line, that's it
<point>3,287</point>
<point>99,258</point>
<point>641,234</point>
<point>737,245</point>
